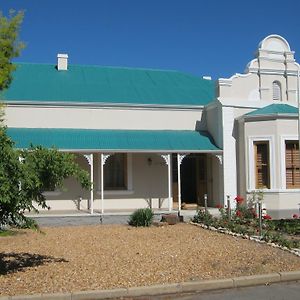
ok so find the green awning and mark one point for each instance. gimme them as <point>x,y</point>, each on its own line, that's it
<point>114,140</point>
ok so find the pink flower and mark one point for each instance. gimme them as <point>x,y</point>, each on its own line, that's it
<point>295,216</point>
<point>239,199</point>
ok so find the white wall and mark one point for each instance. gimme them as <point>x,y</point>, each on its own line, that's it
<point>148,183</point>
<point>102,118</point>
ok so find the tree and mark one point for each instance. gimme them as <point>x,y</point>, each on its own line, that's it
<point>26,174</point>
<point>10,45</point>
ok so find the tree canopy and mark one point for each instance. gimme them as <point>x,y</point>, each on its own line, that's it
<point>26,174</point>
<point>10,45</point>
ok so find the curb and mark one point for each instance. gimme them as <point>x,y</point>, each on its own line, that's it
<point>173,288</point>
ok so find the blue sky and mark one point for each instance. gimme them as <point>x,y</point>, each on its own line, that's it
<point>216,38</point>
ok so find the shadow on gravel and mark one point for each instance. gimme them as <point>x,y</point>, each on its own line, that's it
<point>15,262</point>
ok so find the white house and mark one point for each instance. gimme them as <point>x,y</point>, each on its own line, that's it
<point>163,138</point>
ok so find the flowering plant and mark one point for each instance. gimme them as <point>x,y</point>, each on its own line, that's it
<point>239,214</point>
<point>239,200</point>
<point>267,217</point>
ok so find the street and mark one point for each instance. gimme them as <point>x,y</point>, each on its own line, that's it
<point>278,291</point>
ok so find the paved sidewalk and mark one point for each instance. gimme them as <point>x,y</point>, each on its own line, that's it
<point>76,218</point>
<point>276,291</point>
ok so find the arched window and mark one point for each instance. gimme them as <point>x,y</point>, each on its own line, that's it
<point>276,91</point>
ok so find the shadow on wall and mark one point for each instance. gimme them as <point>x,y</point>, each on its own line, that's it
<point>14,262</point>
<point>201,124</point>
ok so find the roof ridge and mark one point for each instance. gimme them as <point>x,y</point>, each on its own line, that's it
<point>103,67</point>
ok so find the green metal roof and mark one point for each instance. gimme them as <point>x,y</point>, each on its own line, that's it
<point>274,109</point>
<point>114,140</point>
<point>95,84</point>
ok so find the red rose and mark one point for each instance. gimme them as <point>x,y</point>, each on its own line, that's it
<point>295,216</point>
<point>239,199</point>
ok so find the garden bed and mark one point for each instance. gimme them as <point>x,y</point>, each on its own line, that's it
<point>65,259</point>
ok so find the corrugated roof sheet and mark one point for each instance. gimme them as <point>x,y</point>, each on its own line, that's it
<point>110,140</point>
<point>95,84</point>
<point>274,109</point>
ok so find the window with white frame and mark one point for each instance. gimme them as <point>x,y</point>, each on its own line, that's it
<point>262,164</point>
<point>276,91</point>
<point>292,164</point>
<point>115,170</point>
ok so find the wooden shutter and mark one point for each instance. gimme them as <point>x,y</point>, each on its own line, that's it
<point>262,165</point>
<point>292,164</point>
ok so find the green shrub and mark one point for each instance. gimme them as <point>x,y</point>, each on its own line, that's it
<point>204,217</point>
<point>141,217</point>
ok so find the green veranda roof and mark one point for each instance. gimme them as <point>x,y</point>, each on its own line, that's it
<point>110,85</point>
<point>274,109</point>
<point>114,140</point>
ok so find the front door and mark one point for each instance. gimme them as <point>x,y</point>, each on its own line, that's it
<point>193,179</point>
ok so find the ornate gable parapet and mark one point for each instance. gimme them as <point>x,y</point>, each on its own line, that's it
<point>270,76</point>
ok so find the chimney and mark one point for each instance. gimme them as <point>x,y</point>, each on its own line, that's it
<point>62,62</point>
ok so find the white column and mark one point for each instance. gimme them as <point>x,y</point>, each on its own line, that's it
<point>90,160</point>
<point>167,159</point>
<point>169,184</point>
<point>101,183</point>
<point>103,158</point>
<point>21,159</point>
<point>221,178</point>
<point>180,158</point>
<point>298,103</point>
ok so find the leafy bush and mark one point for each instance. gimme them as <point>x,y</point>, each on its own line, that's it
<point>141,217</point>
<point>289,226</point>
<point>204,217</point>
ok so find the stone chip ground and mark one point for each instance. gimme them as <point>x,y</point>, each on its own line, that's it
<point>64,259</point>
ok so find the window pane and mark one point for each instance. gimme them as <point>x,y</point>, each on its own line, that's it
<point>115,172</point>
<point>262,165</point>
<point>292,164</point>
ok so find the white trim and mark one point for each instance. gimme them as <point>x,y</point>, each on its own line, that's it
<point>107,151</point>
<point>283,139</point>
<point>251,162</point>
<point>275,191</point>
<point>103,105</point>
<point>116,192</point>
<point>262,43</point>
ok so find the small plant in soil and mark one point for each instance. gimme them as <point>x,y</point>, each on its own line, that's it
<point>141,217</point>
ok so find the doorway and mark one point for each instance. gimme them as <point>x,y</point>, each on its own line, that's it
<point>193,179</point>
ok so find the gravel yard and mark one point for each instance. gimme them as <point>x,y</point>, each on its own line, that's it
<point>109,256</point>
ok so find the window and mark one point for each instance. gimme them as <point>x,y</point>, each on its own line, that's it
<point>292,164</point>
<point>276,91</point>
<point>262,165</point>
<point>115,172</point>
